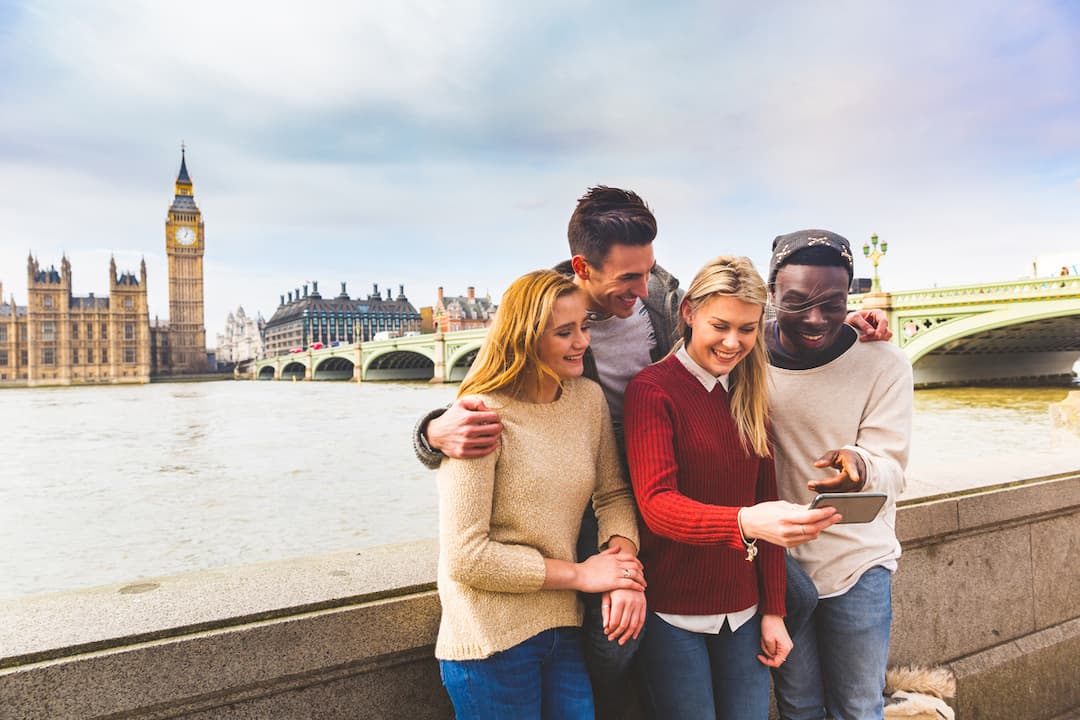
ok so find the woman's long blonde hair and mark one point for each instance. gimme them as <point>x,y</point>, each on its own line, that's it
<point>509,359</point>
<point>735,277</point>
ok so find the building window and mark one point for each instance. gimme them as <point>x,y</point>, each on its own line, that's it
<point>90,355</point>
<point>104,331</point>
<point>129,355</point>
<point>129,330</point>
<point>3,333</point>
<point>47,302</point>
<point>48,331</point>
<point>74,331</point>
<point>89,331</point>
<point>24,358</point>
<point>48,356</point>
<point>129,303</point>
<point>104,356</point>
<point>3,357</point>
<point>74,356</point>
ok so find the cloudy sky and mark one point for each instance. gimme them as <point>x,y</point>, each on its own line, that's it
<point>427,143</point>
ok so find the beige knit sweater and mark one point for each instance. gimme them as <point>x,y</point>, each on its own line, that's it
<point>862,400</point>
<point>501,515</point>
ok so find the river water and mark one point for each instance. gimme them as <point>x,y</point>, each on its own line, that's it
<point>103,485</point>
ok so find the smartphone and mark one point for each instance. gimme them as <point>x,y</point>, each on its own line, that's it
<point>857,507</point>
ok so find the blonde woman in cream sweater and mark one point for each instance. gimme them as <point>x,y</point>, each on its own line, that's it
<point>510,642</point>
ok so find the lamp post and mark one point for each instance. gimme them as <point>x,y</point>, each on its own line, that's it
<point>875,255</point>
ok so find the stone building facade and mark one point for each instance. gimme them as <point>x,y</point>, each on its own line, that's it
<point>179,347</point>
<point>242,339</point>
<point>61,339</point>
<point>464,312</point>
<point>303,320</point>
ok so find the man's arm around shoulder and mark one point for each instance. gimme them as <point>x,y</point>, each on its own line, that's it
<point>466,429</point>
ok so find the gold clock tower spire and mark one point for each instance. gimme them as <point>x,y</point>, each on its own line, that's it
<point>184,244</point>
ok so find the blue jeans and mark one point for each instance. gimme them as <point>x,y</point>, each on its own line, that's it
<point>543,677</point>
<point>838,663</point>
<point>692,675</point>
<point>801,598</point>
<point>608,662</point>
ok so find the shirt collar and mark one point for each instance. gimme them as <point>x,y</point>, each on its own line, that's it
<point>707,379</point>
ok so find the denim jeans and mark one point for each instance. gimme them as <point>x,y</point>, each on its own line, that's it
<point>838,663</point>
<point>692,675</point>
<point>542,678</point>
<point>609,662</point>
<point>801,598</point>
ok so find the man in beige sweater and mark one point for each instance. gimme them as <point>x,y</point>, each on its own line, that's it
<point>841,414</point>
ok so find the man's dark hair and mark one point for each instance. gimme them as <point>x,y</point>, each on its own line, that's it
<point>607,216</point>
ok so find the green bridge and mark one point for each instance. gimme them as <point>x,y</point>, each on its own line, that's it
<point>1016,331</point>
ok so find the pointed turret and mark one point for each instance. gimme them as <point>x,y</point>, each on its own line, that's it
<point>185,190</point>
<point>183,177</point>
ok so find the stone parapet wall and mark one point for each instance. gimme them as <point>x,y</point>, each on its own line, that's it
<point>989,584</point>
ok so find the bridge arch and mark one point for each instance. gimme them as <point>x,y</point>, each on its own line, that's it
<point>334,368</point>
<point>266,372</point>
<point>1033,339</point>
<point>399,365</point>
<point>296,370</point>
<point>458,364</point>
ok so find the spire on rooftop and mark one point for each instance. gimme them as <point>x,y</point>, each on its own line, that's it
<point>183,176</point>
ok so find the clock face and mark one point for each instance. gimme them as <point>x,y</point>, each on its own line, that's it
<point>185,235</point>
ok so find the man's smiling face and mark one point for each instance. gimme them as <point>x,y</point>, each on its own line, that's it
<point>811,304</point>
<point>615,286</point>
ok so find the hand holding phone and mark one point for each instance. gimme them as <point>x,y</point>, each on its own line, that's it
<point>854,507</point>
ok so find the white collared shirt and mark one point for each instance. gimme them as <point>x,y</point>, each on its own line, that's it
<point>706,624</point>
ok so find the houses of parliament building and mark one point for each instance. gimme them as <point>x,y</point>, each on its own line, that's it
<point>60,339</point>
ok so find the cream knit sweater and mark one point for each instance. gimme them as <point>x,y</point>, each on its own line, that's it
<point>502,514</point>
<point>863,400</point>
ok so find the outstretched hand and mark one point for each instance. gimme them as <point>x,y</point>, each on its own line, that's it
<point>852,475</point>
<point>870,324</point>
<point>466,430</point>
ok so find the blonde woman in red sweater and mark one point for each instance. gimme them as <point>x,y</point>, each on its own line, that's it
<point>698,446</point>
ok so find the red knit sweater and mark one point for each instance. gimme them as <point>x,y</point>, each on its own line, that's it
<point>691,475</point>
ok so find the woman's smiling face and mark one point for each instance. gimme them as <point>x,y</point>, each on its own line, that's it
<point>723,332</point>
<point>562,345</point>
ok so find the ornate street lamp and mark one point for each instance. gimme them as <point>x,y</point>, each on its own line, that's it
<point>875,255</point>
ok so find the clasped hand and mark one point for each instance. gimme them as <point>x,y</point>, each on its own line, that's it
<point>620,577</point>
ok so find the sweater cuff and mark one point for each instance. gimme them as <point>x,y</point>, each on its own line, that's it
<point>427,455</point>
<point>619,520</point>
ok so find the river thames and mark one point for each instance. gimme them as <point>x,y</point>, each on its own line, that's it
<point>104,485</point>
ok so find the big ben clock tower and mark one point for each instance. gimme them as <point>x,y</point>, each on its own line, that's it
<point>184,245</point>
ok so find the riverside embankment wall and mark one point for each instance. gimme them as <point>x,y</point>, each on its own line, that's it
<point>989,585</point>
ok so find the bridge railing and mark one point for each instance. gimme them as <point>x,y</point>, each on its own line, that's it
<point>1049,288</point>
